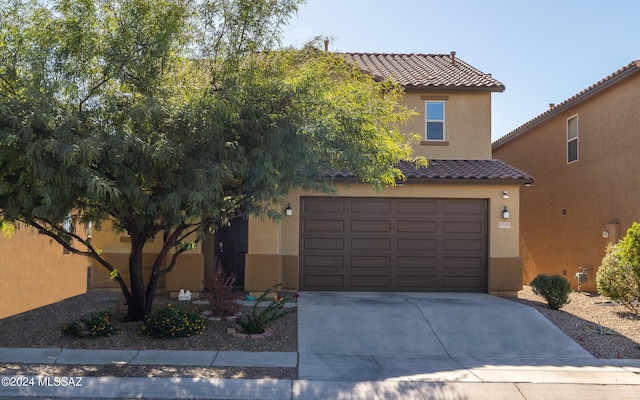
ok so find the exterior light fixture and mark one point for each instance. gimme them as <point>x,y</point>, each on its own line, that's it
<point>505,213</point>
<point>289,210</point>
<point>505,195</point>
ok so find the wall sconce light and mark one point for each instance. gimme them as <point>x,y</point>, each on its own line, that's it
<point>505,195</point>
<point>605,234</point>
<point>289,210</point>
<point>505,213</point>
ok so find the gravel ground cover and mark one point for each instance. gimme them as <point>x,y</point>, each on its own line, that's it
<point>603,328</point>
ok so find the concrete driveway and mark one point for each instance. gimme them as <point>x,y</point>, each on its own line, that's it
<point>355,336</point>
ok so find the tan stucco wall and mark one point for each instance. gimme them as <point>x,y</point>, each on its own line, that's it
<point>467,124</point>
<point>34,272</point>
<point>601,188</point>
<point>278,242</point>
<point>188,273</point>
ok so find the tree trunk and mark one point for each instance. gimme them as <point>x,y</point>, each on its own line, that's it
<point>137,307</point>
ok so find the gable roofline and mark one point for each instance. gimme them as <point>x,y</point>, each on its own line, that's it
<point>603,84</point>
<point>424,71</point>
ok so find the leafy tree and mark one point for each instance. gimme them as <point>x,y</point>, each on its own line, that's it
<point>169,118</point>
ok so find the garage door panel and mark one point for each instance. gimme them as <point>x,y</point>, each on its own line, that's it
<point>465,245</point>
<point>326,225</point>
<point>417,261</point>
<point>320,205</point>
<point>393,244</point>
<point>370,281</point>
<point>421,244</point>
<point>370,243</point>
<point>417,282</point>
<point>418,207</point>
<point>324,282</point>
<point>460,283</point>
<point>463,262</point>
<point>370,226</point>
<point>370,206</point>
<point>315,261</point>
<point>460,227</point>
<point>404,226</point>
<point>371,262</point>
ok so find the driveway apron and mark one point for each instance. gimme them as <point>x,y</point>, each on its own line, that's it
<point>347,335</point>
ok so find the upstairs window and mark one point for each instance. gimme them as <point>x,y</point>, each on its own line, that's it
<point>434,120</point>
<point>572,139</point>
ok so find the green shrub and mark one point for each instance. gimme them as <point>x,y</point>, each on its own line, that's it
<point>258,319</point>
<point>554,289</point>
<point>170,322</point>
<point>630,249</point>
<point>97,324</point>
<point>616,280</point>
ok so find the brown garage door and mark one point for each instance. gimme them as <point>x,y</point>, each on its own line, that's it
<point>390,244</point>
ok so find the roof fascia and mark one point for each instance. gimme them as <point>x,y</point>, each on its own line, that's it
<point>454,88</point>
<point>633,68</point>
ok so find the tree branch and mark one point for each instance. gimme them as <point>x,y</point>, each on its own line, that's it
<point>8,84</point>
<point>91,91</point>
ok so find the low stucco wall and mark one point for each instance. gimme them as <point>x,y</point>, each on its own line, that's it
<point>34,272</point>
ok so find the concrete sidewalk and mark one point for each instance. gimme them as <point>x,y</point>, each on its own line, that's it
<point>423,378</point>
<point>190,388</point>
<point>148,357</point>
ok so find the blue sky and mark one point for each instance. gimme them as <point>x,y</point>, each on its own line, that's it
<point>543,51</point>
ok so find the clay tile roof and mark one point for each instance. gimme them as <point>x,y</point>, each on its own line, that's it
<point>424,70</point>
<point>621,74</point>
<point>477,170</point>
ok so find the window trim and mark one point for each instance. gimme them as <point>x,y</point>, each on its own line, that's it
<point>576,139</point>
<point>427,120</point>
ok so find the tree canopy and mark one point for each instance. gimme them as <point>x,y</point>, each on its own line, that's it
<point>172,117</point>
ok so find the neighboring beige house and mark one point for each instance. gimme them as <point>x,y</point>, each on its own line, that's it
<point>35,271</point>
<point>453,226</point>
<point>584,154</point>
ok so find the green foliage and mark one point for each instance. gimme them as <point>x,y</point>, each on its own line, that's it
<point>616,279</point>
<point>170,322</point>
<point>630,249</point>
<point>601,329</point>
<point>98,324</point>
<point>220,293</point>
<point>170,118</point>
<point>554,289</point>
<point>260,317</point>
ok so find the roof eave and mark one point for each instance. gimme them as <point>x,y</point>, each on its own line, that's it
<point>631,69</point>
<point>496,89</point>
<point>515,181</point>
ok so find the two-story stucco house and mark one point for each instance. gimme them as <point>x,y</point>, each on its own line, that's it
<point>583,153</point>
<point>452,226</point>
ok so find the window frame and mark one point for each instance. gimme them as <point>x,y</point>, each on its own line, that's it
<point>427,120</point>
<point>571,140</point>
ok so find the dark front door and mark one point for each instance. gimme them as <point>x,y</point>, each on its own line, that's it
<point>231,247</point>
